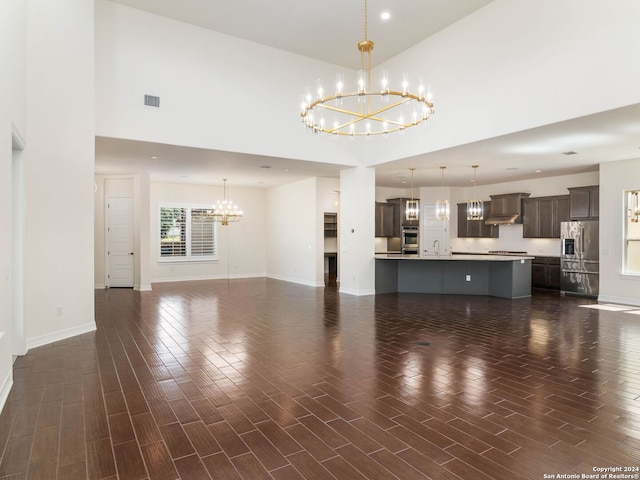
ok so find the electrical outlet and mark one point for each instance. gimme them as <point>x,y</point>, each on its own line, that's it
<point>59,310</point>
<point>467,278</point>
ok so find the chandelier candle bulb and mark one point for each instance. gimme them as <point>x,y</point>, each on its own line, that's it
<point>339,84</point>
<point>320,90</point>
<point>362,82</point>
<point>405,84</point>
<point>384,83</point>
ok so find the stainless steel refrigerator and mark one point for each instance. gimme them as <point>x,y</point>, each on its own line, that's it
<point>580,258</point>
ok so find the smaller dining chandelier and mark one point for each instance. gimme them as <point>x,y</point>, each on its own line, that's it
<point>366,110</point>
<point>225,211</point>
<point>412,209</point>
<point>475,208</point>
<point>442,206</point>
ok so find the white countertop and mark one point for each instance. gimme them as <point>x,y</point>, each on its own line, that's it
<point>472,258</point>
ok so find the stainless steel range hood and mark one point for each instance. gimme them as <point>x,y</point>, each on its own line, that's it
<point>502,219</point>
<point>506,209</point>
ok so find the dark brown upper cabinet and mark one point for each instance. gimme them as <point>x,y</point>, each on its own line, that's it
<point>584,202</point>
<point>541,216</point>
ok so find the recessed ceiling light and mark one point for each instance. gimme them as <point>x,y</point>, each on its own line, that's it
<point>265,166</point>
<point>538,171</point>
<point>154,157</point>
<point>385,15</point>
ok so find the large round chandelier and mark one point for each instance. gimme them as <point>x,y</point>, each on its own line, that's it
<point>366,110</point>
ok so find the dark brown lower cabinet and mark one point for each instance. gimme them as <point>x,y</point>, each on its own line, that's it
<point>545,272</point>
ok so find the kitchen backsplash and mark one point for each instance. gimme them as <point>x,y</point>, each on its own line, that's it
<point>510,240</point>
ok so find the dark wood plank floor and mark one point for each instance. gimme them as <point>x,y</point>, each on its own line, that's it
<point>261,379</point>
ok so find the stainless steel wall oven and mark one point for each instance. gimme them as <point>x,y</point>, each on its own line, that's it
<point>410,239</point>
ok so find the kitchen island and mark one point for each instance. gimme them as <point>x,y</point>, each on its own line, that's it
<point>507,276</point>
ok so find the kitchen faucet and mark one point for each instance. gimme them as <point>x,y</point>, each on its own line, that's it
<point>436,246</point>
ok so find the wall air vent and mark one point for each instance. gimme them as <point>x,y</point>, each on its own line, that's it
<point>152,101</point>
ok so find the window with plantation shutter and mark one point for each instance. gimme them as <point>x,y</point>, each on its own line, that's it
<point>186,233</point>
<point>202,233</point>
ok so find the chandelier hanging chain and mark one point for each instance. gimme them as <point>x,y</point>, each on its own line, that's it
<point>366,19</point>
<point>366,110</point>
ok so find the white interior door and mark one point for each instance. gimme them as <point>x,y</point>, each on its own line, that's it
<point>120,256</point>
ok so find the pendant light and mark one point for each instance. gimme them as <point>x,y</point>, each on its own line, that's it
<point>475,208</point>
<point>412,209</point>
<point>442,206</point>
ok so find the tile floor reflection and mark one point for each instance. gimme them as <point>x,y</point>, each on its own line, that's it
<point>257,378</point>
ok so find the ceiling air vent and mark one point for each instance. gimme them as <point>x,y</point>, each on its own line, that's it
<point>152,101</point>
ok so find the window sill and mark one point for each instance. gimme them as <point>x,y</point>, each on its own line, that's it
<point>630,276</point>
<point>188,260</point>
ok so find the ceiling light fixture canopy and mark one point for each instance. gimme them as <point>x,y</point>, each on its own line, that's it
<point>225,211</point>
<point>475,208</point>
<point>366,110</point>
<point>412,209</point>
<point>442,206</point>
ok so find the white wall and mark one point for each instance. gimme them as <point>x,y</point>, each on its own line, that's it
<point>615,177</point>
<point>357,231</point>
<point>241,247</point>
<point>215,90</point>
<point>59,162</point>
<point>11,44</point>
<point>17,27</point>
<point>328,201</point>
<point>515,65</point>
<point>294,238</point>
<point>99,267</point>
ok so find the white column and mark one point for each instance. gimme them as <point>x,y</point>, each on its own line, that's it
<point>143,235</point>
<point>357,231</point>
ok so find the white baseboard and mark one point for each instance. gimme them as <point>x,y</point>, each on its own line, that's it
<point>60,335</point>
<point>296,280</point>
<point>619,300</point>
<point>358,293</point>
<point>143,288</point>
<point>205,277</point>
<point>5,388</point>
<point>99,286</point>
